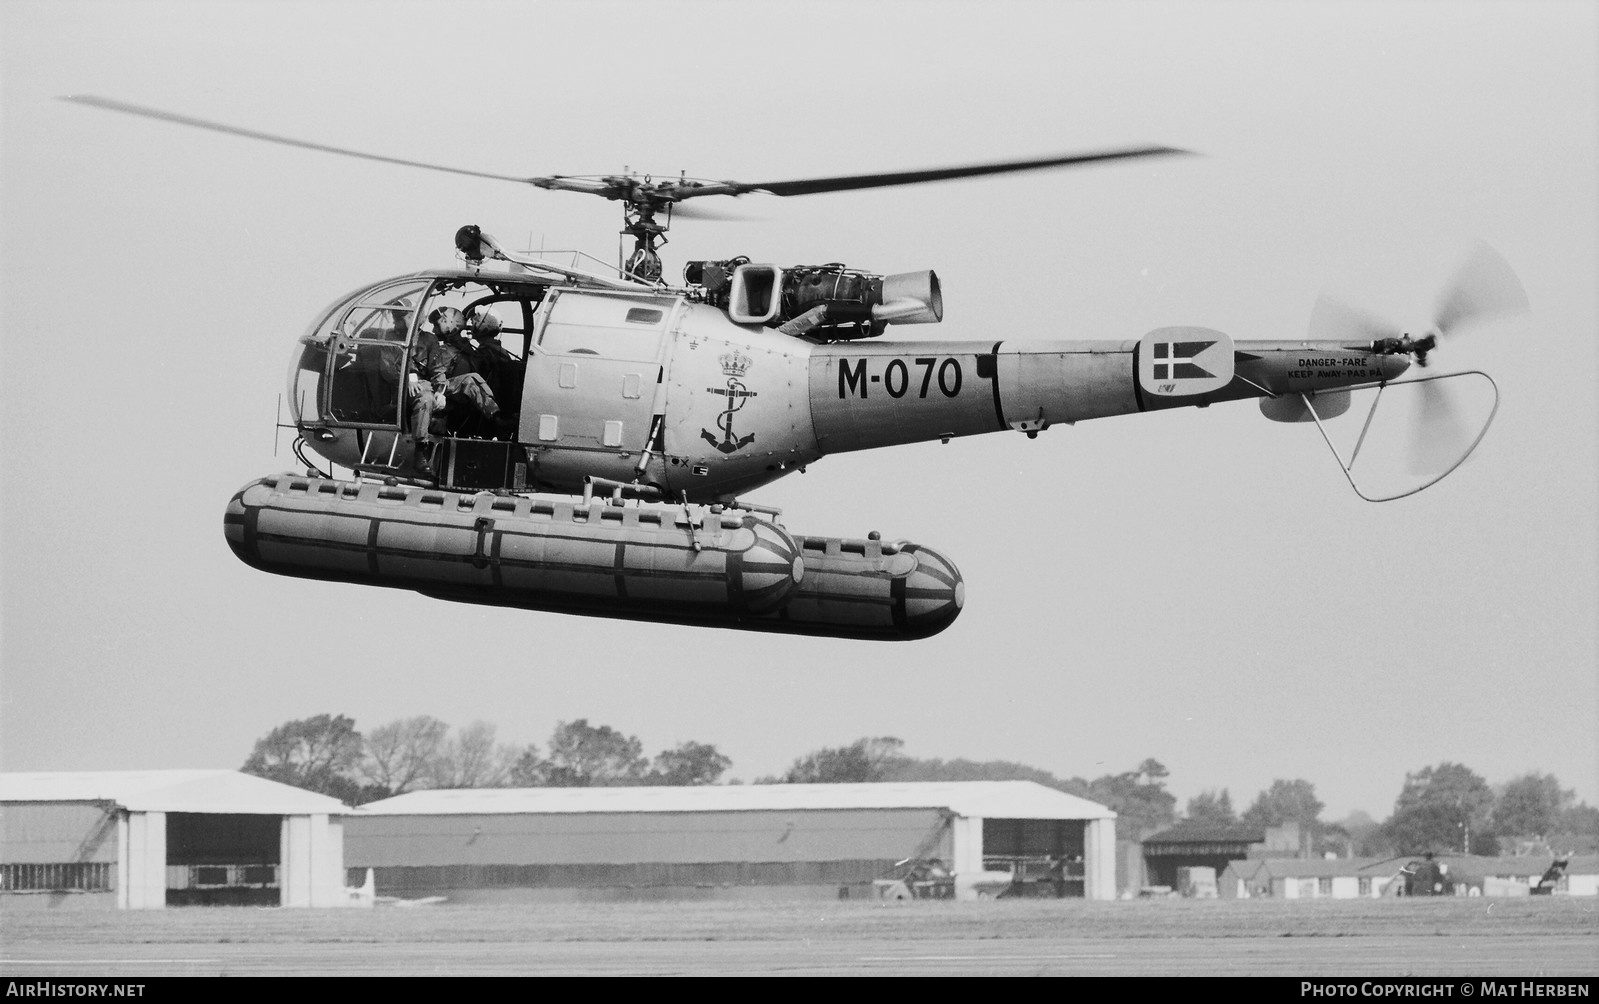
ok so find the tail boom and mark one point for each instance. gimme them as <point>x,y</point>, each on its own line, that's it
<point>865,396</point>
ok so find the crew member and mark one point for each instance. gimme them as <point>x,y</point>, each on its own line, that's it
<point>499,367</point>
<point>453,373</point>
<point>421,400</point>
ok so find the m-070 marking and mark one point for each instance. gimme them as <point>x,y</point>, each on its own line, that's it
<point>899,378</point>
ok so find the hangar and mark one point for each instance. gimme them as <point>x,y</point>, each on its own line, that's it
<point>755,841</point>
<point>149,839</point>
<point>1193,843</point>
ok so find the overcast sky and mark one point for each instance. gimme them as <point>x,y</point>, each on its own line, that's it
<point>1196,586</point>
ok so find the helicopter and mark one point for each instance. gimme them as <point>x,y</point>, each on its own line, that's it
<point>630,412</point>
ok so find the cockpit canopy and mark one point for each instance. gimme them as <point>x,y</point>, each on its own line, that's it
<point>349,368</point>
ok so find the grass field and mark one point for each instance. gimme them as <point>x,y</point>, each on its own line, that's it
<point>1511,937</point>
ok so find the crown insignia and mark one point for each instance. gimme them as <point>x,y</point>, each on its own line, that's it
<point>735,363</point>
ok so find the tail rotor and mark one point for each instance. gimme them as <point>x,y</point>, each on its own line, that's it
<point>1439,436</point>
<point>1485,286</point>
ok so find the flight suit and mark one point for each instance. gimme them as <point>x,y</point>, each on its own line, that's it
<point>455,375</point>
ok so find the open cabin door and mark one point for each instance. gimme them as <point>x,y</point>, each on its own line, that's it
<point>360,353</point>
<point>594,385</point>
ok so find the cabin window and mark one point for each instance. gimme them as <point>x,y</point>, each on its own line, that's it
<point>366,354</point>
<point>332,378</point>
<point>590,340</point>
<point>617,327</point>
<point>385,313</point>
<point>305,382</point>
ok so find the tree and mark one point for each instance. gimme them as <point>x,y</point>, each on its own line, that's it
<point>582,756</point>
<point>864,760</point>
<point>1580,818</point>
<point>1442,808</point>
<point>934,769</point>
<point>1286,802</point>
<point>690,763</point>
<point>318,754</point>
<point>1212,807</point>
<point>472,759</point>
<point>1366,835</point>
<point>1529,806</point>
<point>403,754</point>
<point>1139,797</point>
<point>527,770</point>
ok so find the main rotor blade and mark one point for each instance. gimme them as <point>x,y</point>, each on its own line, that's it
<point>627,189</point>
<point>155,113</point>
<point>1484,286</point>
<point>813,186</point>
<point>707,214</point>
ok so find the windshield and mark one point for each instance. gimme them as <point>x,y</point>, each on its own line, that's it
<point>355,354</point>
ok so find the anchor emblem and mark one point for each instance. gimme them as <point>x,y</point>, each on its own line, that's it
<point>734,365</point>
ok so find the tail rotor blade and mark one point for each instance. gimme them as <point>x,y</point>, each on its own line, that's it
<point>1440,438</point>
<point>1333,320</point>
<point>1485,286</point>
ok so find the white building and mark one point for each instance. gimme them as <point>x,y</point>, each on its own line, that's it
<point>1582,876</point>
<point>1306,878</point>
<point>147,839</point>
<point>766,840</point>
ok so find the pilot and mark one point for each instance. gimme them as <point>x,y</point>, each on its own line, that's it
<point>453,373</point>
<point>421,400</point>
<point>445,324</point>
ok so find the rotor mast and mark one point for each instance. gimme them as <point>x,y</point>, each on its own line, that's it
<point>642,198</point>
<point>639,223</point>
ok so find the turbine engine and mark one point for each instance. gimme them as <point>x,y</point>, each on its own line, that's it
<point>829,302</point>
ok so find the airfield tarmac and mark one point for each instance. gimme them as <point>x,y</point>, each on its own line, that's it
<point>1557,936</point>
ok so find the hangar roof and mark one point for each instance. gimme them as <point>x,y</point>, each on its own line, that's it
<point>990,799</point>
<point>1195,832</point>
<point>1309,867</point>
<point>212,791</point>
